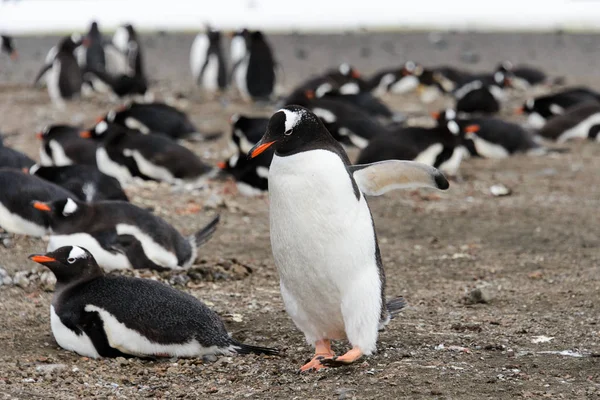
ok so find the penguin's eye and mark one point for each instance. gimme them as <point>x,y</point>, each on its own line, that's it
<point>288,132</point>
<point>70,260</point>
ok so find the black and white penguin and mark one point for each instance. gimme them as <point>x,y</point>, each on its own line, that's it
<point>110,230</point>
<point>126,41</point>
<point>64,77</point>
<point>246,132</point>
<point>93,43</point>
<point>207,62</point>
<point>238,52</point>
<point>117,86</point>
<point>84,181</point>
<point>495,138</point>
<point>540,109</point>
<point>155,117</point>
<point>19,190</point>
<point>258,82</point>
<point>156,156</point>
<point>482,95</point>
<point>7,46</point>
<point>324,243</point>
<point>250,174</point>
<point>97,315</point>
<point>525,77</point>
<point>368,103</point>
<point>76,42</point>
<point>63,145</point>
<point>397,80</point>
<point>10,158</point>
<point>579,122</point>
<point>440,146</point>
<point>347,123</point>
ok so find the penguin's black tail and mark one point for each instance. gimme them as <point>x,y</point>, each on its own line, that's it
<point>249,349</point>
<point>395,305</point>
<point>204,234</point>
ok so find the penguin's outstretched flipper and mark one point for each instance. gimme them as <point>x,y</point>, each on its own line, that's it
<point>378,178</point>
<point>395,305</point>
<point>204,234</point>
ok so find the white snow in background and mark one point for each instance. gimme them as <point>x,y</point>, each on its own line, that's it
<point>32,16</point>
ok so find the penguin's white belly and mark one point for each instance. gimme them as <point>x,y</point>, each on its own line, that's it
<point>210,78</point>
<point>111,168</point>
<point>451,165</point>
<point>107,260</point>
<point>489,150</point>
<point>581,130</point>
<point>69,340</point>
<point>240,77</point>
<point>405,85</point>
<point>154,251</point>
<point>198,54</point>
<point>429,155</point>
<point>150,169</point>
<point>324,247</point>
<point>45,159</point>
<point>59,156</point>
<point>536,121</point>
<point>52,82</point>
<point>14,223</point>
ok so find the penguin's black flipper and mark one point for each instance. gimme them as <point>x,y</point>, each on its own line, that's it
<point>395,305</point>
<point>132,248</point>
<point>204,234</point>
<point>93,327</point>
<point>247,349</point>
<point>40,74</point>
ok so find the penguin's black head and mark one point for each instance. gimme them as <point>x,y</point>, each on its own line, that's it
<point>8,47</point>
<point>527,108</point>
<point>58,131</point>
<point>94,28</point>
<point>502,78</point>
<point>347,70</point>
<point>214,36</point>
<point>69,263</point>
<point>290,130</point>
<point>103,131</point>
<point>65,215</point>
<point>70,43</point>
<point>446,119</point>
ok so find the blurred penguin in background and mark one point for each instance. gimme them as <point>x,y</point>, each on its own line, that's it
<point>207,62</point>
<point>7,46</point>
<point>126,41</point>
<point>64,77</point>
<point>254,68</point>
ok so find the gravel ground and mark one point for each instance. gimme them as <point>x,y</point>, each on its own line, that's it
<point>503,292</point>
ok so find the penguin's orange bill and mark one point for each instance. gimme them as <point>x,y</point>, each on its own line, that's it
<point>472,128</point>
<point>435,115</point>
<point>310,94</point>
<point>355,74</point>
<point>85,134</point>
<point>221,165</point>
<point>38,205</point>
<point>519,110</point>
<point>42,259</point>
<point>39,135</point>
<point>260,149</point>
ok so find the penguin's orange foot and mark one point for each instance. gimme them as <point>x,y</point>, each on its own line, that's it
<point>346,359</point>
<point>322,350</point>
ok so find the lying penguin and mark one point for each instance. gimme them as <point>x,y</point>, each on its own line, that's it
<point>121,235</point>
<point>323,237</point>
<point>97,315</point>
<point>11,158</point>
<point>62,145</point>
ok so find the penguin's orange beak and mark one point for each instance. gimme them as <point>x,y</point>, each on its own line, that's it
<point>40,259</point>
<point>39,135</point>
<point>472,128</point>
<point>355,74</point>
<point>519,110</point>
<point>260,148</point>
<point>221,165</point>
<point>85,134</point>
<point>435,115</point>
<point>310,94</point>
<point>41,206</point>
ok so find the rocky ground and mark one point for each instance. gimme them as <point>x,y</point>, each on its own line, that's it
<point>503,292</point>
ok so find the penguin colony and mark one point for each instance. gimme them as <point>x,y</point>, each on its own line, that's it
<point>75,195</point>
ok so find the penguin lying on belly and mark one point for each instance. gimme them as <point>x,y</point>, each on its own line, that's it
<point>579,122</point>
<point>441,146</point>
<point>323,237</point>
<point>121,235</point>
<point>10,158</point>
<point>62,145</point>
<point>19,190</point>
<point>97,315</point>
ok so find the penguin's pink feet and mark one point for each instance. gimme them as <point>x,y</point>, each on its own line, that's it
<point>346,359</point>
<point>322,350</point>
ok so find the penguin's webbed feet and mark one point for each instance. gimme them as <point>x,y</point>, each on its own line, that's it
<point>340,361</point>
<point>322,351</point>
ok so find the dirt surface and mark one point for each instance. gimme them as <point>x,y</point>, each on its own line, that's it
<point>533,255</point>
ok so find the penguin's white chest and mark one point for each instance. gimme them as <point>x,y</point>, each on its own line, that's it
<point>323,243</point>
<point>69,340</point>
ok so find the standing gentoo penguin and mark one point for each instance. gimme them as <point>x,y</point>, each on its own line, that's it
<point>76,42</point>
<point>121,235</point>
<point>260,71</point>
<point>64,78</point>
<point>19,189</point>
<point>207,62</point>
<point>6,43</point>
<point>238,56</point>
<point>94,49</point>
<point>579,122</point>
<point>322,233</point>
<point>126,41</point>
<point>63,145</point>
<point>84,181</point>
<point>98,315</point>
<point>10,158</point>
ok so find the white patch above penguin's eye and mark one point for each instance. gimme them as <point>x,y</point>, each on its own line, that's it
<point>344,69</point>
<point>33,169</point>
<point>69,208</point>
<point>233,160</point>
<point>101,127</point>
<point>556,109</point>
<point>323,89</point>
<point>530,103</point>
<point>499,77</point>
<point>453,127</point>
<point>110,117</point>
<point>292,118</point>
<point>450,114</point>
<point>507,65</point>
<point>75,254</point>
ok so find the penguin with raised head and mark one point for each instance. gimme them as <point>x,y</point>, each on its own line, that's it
<point>440,146</point>
<point>322,233</point>
<point>126,41</point>
<point>63,145</point>
<point>238,56</point>
<point>19,190</point>
<point>93,44</point>
<point>482,95</point>
<point>7,46</point>
<point>155,117</point>
<point>84,181</point>
<point>579,122</point>
<point>260,72</point>
<point>540,109</point>
<point>73,41</point>
<point>97,315</point>
<point>64,77</point>
<point>10,158</point>
<point>109,228</point>
<point>207,62</point>
<point>156,156</point>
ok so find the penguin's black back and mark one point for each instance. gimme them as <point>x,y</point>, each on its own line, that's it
<point>513,137</point>
<point>365,101</point>
<point>156,311</point>
<point>251,128</point>
<point>214,38</point>
<point>85,181</point>
<point>479,100</point>
<point>78,149</point>
<point>70,78</point>
<point>10,158</point>
<point>160,118</point>
<point>94,56</point>
<point>260,77</point>
<point>560,123</point>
